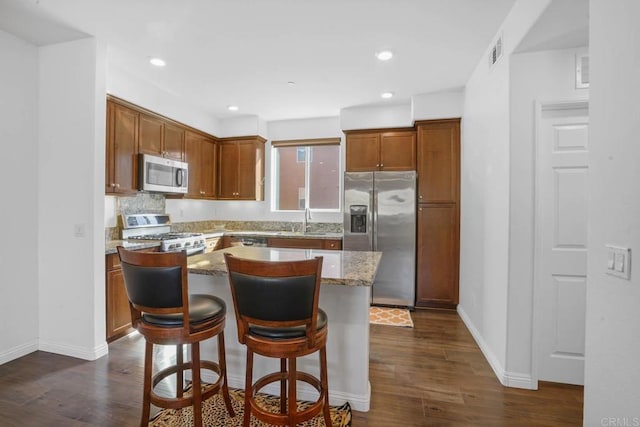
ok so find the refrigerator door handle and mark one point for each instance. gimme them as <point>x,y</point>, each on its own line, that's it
<point>374,209</point>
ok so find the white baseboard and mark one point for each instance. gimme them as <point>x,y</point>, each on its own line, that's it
<point>75,351</point>
<point>495,364</point>
<point>519,380</point>
<point>508,379</point>
<point>358,402</point>
<point>18,351</point>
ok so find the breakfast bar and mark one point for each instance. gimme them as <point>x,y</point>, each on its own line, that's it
<point>345,296</point>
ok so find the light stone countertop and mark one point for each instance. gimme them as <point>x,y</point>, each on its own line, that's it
<point>111,245</point>
<point>348,268</point>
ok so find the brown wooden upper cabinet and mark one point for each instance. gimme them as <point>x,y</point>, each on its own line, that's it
<point>200,154</point>
<point>389,150</point>
<point>438,161</point>
<point>241,168</point>
<point>160,138</point>
<point>121,149</point>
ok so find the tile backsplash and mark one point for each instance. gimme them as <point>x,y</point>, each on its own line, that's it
<point>155,203</point>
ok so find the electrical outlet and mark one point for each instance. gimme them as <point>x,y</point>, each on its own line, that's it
<point>78,230</point>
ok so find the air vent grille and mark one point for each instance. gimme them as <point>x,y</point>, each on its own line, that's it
<point>496,52</point>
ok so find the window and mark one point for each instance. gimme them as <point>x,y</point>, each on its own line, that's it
<point>306,174</point>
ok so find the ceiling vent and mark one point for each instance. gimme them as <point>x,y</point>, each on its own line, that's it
<point>582,71</point>
<point>496,52</point>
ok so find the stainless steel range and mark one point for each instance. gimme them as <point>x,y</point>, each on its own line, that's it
<point>157,227</point>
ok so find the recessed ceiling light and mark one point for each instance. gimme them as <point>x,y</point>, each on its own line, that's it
<point>384,55</point>
<point>233,108</point>
<point>386,95</point>
<point>291,83</point>
<point>157,62</point>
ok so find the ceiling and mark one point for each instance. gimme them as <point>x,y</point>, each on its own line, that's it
<point>245,53</point>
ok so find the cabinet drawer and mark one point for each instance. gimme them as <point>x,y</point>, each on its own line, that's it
<point>113,262</point>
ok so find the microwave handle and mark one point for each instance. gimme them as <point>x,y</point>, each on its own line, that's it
<point>179,176</point>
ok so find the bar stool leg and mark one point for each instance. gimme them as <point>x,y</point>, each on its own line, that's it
<point>180,373</point>
<point>146,396</point>
<point>223,373</point>
<point>196,385</point>
<point>248,388</point>
<point>325,386</point>
<point>292,395</point>
<point>283,386</point>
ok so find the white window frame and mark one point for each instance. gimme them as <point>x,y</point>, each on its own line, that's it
<point>275,169</point>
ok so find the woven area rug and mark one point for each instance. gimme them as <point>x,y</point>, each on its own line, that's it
<point>214,413</point>
<point>390,316</point>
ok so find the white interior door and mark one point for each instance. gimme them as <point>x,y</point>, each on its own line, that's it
<point>561,242</point>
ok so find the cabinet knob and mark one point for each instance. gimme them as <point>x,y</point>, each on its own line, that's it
<point>381,165</point>
<point>421,196</point>
<point>117,185</point>
<point>113,185</point>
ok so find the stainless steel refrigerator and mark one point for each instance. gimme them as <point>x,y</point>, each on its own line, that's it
<point>380,215</point>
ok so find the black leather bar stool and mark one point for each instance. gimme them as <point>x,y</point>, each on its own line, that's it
<point>276,307</point>
<point>164,313</point>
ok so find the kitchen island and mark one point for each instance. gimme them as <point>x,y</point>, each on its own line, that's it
<point>345,296</point>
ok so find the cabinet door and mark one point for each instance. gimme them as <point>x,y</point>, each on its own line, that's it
<point>363,152</point>
<point>125,149</point>
<point>332,244</point>
<point>118,312</point>
<point>398,151</point>
<point>192,157</point>
<point>438,162</point>
<point>173,142</point>
<point>150,137</point>
<point>109,179</point>
<point>280,242</point>
<point>208,168</point>
<point>247,170</point>
<point>227,170</point>
<point>437,255</point>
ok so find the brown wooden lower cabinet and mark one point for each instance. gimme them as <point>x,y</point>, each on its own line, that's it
<point>438,256</point>
<point>304,243</point>
<point>118,313</point>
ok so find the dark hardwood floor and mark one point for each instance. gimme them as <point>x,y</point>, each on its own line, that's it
<point>431,375</point>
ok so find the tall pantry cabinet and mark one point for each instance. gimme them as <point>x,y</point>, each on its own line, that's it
<point>438,223</point>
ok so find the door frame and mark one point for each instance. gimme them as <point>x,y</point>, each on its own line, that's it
<point>540,108</point>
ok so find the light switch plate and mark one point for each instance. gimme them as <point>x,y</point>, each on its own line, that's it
<point>618,261</point>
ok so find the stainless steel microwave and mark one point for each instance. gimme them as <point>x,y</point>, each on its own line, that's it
<point>161,175</point>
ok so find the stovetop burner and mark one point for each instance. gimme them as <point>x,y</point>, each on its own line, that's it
<point>165,236</point>
<point>156,227</point>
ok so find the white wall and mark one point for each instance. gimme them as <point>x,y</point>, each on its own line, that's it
<point>375,117</point>
<point>194,210</point>
<point>543,77</point>
<point>139,91</point>
<point>437,105</point>
<point>70,164</point>
<point>613,305</point>
<point>19,212</point>
<point>485,193</point>
<point>242,126</point>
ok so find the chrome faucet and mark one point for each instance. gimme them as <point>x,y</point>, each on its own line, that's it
<point>305,223</point>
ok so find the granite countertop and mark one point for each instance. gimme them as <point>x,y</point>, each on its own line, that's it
<point>110,246</point>
<point>285,234</point>
<point>347,268</point>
